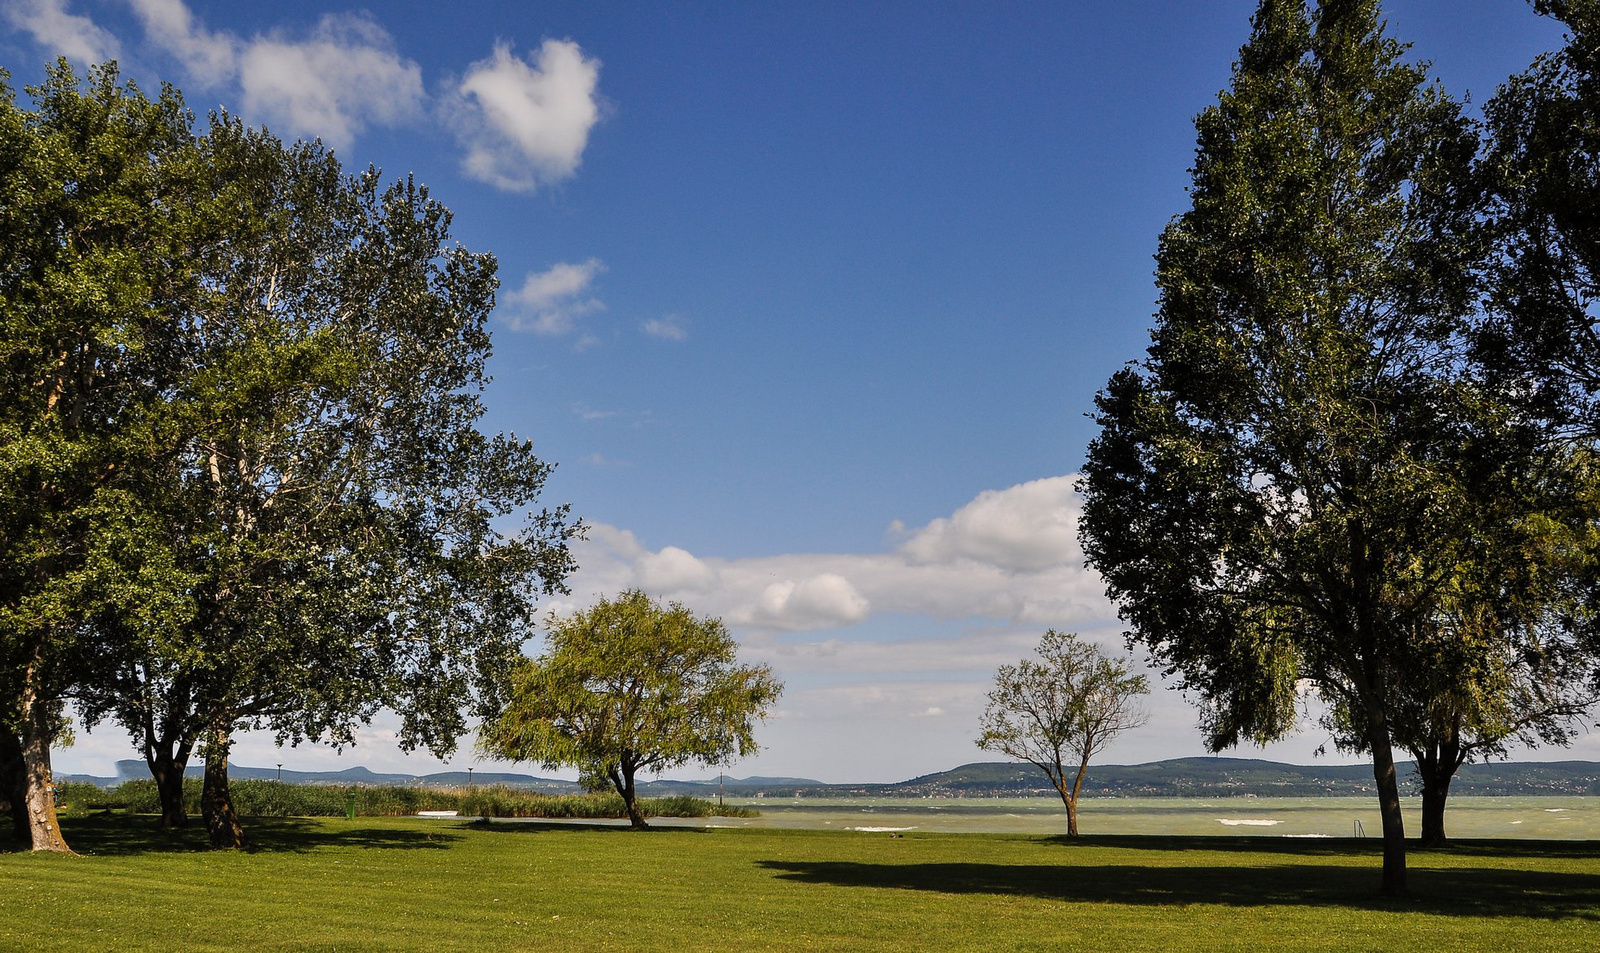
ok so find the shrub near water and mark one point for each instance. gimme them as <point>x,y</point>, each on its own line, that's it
<point>258,798</point>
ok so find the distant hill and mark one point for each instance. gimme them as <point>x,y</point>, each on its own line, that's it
<point>1180,777</point>
<point>1236,777</point>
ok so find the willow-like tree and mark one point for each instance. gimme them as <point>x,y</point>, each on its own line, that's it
<point>630,685</point>
<point>1059,711</point>
<point>1288,484</point>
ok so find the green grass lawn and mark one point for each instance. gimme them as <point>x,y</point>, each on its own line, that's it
<point>378,884</point>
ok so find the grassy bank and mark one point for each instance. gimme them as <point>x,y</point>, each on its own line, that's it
<point>376,884</point>
<point>254,798</point>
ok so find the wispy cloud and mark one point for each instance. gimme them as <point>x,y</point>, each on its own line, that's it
<point>604,462</point>
<point>551,301</point>
<point>65,34</point>
<point>669,328</point>
<point>526,122</point>
<point>332,82</point>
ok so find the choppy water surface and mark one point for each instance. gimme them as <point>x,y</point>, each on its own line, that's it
<point>1562,818</point>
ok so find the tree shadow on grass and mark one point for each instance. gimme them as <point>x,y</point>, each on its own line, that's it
<point>132,834</point>
<point>1334,846</point>
<point>1451,892</point>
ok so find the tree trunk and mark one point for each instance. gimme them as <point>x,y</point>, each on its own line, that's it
<point>1070,798</point>
<point>216,804</point>
<point>167,755</point>
<point>1394,827</point>
<point>39,796</point>
<point>1437,767</point>
<point>622,780</point>
<point>168,773</point>
<point>13,786</point>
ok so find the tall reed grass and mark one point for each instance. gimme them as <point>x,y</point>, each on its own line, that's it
<point>257,798</point>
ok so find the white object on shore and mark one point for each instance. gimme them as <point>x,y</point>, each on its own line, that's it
<point>438,814</point>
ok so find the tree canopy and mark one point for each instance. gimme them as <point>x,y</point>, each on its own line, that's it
<point>630,685</point>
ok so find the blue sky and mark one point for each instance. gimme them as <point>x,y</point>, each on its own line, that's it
<point>807,301</point>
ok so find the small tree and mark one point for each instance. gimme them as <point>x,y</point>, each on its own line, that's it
<point>629,685</point>
<point>1062,708</point>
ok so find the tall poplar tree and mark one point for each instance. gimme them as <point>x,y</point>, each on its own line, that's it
<point>1286,488</point>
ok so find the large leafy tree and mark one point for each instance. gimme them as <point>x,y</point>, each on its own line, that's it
<point>1290,483</point>
<point>330,492</point>
<point>98,237</point>
<point>630,685</point>
<point>258,459</point>
<point>1062,708</point>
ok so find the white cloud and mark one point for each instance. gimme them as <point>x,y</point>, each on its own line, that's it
<point>210,58</point>
<point>526,124</point>
<point>826,600</point>
<point>1027,527</point>
<point>668,328</point>
<point>676,570</point>
<point>65,34</point>
<point>331,83</point>
<point>979,563</point>
<point>551,301</point>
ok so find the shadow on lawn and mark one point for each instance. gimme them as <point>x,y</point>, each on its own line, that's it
<point>544,825</point>
<point>1334,846</point>
<point>124,835</point>
<point>1453,892</point>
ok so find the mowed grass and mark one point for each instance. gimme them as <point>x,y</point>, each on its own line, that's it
<point>380,884</point>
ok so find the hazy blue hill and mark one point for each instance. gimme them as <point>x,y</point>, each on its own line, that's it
<point>1180,777</point>
<point>1212,777</point>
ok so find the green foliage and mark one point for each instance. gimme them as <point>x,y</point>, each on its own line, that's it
<point>630,685</point>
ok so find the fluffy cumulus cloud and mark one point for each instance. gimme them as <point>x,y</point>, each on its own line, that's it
<point>1024,528</point>
<point>551,301</point>
<point>526,122</point>
<point>1009,556</point>
<point>61,32</point>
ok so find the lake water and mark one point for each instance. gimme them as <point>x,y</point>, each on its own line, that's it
<point>1556,818</point>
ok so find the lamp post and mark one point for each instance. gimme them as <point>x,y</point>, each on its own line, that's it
<point>280,772</point>
<point>469,779</point>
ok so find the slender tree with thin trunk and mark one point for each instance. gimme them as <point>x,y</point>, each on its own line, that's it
<point>1058,712</point>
